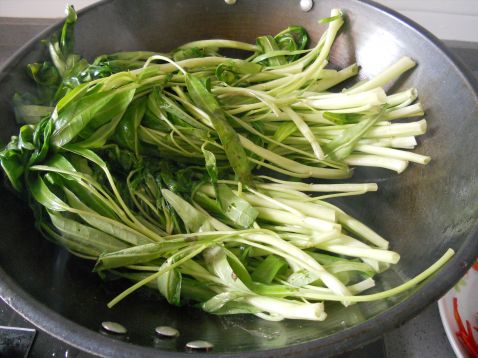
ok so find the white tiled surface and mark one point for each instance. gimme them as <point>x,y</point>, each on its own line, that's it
<point>447,19</point>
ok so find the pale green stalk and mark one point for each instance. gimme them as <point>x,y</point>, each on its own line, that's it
<point>312,187</point>
<point>390,74</point>
<point>414,110</point>
<point>287,308</point>
<point>374,97</point>
<point>293,166</point>
<point>306,132</point>
<point>391,292</point>
<point>350,247</point>
<point>328,82</point>
<point>393,130</point>
<point>299,257</point>
<point>154,276</point>
<point>393,153</point>
<point>220,43</point>
<point>283,217</point>
<point>309,209</point>
<point>392,142</point>
<point>402,99</point>
<point>366,160</point>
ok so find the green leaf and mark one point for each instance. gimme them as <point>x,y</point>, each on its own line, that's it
<point>334,264</point>
<point>230,70</point>
<point>277,290</point>
<point>234,307</point>
<point>59,161</point>
<point>169,284</point>
<point>268,44</point>
<point>238,210</point>
<point>224,74</point>
<point>102,134</point>
<point>137,255</point>
<point>44,74</point>
<point>238,267</point>
<point>293,38</point>
<point>97,108</point>
<point>229,139</point>
<point>74,74</point>
<point>86,236</point>
<point>75,116</point>
<point>211,167</point>
<point>284,131</point>
<point>13,166</point>
<point>87,154</point>
<point>192,52</point>
<point>268,269</point>
<point>178,115</point>
<point>61,45</point>
<point>217,302</point>
<point>195,290</point>
<point>113,227</point>
<point>126,134</point>
<point>194,220</point>
<point>326,20</point>
<point>84,195</point>
<point>200,95</point>
<point>75,94</point>
<point>175,179</point>
<point>244,67</point>
<point>290,55</point>
<point>41,141</point>
<point>343,118</point>
<point>211,206</point>
<point>217,263</point>
<point>71,244</point>
<point>67,31</point>
<point>42,194</point>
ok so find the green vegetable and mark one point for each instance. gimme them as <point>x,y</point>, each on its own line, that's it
<point>229,139</point>
<point>268,269</point>
<point>236,209</point>
<point>149,164</point>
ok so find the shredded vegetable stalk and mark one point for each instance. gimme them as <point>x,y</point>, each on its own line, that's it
<point>150,165</point>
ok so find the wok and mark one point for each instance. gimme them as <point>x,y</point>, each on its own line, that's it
<point>423,211</point>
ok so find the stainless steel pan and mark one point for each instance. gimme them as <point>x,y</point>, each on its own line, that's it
<point>422,212</point>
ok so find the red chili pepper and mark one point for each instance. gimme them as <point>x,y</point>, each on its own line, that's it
<point>475,266</point>
<point>465,335</point>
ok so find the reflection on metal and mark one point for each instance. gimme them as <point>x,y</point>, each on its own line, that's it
<point>199,346</point>
<point>306,5</point>
<point>166,331</point>
<point>113,328</point>
<point>16,342</point>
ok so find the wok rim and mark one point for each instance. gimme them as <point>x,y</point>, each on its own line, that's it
<point>430,291</point>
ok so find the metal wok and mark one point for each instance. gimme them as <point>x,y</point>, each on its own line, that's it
<point>423,211</point>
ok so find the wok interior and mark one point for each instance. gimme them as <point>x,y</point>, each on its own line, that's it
<point>422,212</point>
